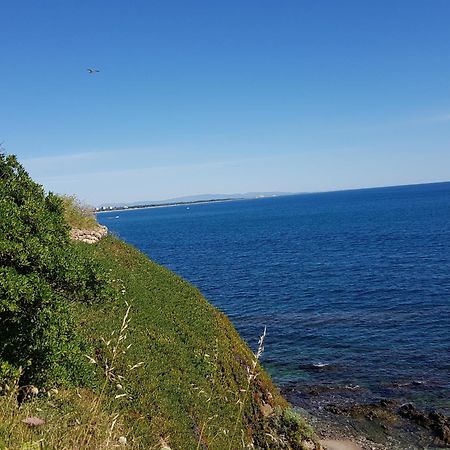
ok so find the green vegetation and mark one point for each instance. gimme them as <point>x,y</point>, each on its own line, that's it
<point>78,215</point>
<point>195,366</point>
<point>42,274</point>
<point>141,356</point>
<point>69,422</point>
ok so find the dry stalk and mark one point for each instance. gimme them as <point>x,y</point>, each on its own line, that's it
<point>251,375</point>
<point>213,386</point>
<point>117,347</point>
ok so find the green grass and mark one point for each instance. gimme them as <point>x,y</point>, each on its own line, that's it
<point>78,215</point>
<point>194,362</point>
<point>68,424</point>
<point>139,357</point>
<point>189,385</point>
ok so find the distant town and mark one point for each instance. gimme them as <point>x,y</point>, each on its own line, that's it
<point>160,205</point>
<point>193,200</point>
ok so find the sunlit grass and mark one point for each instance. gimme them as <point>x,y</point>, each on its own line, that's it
<point>78,215</point>
<point>171,373</point>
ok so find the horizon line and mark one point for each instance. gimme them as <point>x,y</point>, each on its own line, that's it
<point>261,194</point>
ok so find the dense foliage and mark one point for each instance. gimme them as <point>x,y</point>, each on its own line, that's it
<point>41,273</point>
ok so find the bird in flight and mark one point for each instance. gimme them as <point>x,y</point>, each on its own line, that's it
<point>92,71</point>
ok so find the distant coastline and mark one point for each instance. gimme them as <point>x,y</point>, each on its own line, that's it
<point>164,205</point>
<point>216,198</point>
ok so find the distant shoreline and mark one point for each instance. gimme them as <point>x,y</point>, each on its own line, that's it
<point>166,205</point>
<point>263,195</point>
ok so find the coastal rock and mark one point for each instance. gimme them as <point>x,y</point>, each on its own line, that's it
<point>433,421</point>
<point>89,236</point>
<point>382,411</point>
<point>410,412</point>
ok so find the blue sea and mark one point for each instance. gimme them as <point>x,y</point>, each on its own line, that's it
<point>353,286</point>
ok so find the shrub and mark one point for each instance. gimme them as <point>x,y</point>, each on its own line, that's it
<point>41,273</point>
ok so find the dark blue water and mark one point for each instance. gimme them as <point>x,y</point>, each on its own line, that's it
<point>358,281</point>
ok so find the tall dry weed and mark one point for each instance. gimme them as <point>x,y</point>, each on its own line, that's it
<point>68,419</point>
<point>252,374</point>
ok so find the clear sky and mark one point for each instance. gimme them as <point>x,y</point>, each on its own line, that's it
<point>228,96</point>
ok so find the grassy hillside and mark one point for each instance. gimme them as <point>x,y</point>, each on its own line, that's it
<point>101,348</point>
<point>195,369</point>
<point>190,385</point>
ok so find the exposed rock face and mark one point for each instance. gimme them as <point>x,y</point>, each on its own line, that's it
<point>433,421</point>
<point>386,413</point>
<point>89,236</point>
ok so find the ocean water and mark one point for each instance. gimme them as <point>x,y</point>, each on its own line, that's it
<point>353,286</point>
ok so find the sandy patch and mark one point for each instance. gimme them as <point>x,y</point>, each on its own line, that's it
<point>330,444</point>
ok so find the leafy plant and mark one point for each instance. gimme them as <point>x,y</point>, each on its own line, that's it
<point>41,273</point>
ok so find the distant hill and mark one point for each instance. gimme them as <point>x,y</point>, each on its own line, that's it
<point>199,197</point>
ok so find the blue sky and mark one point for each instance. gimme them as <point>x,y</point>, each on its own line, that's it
<point>221,97</point>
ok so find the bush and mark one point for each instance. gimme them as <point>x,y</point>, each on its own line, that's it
<point>41,273</point>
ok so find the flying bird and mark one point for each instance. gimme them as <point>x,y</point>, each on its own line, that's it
<point>92,71</point>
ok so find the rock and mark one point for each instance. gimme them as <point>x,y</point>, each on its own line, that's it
<point>440,425</point>
<point>89,236</point>
<point>34,421</point>
<point>433,421</point>
<point>334,409</point>
<point>410,412</point>
<point>266,409</point>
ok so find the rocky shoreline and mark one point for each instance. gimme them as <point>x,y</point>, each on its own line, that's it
<point>384,424</point>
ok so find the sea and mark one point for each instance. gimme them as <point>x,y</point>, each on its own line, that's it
<point>353,286</point>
